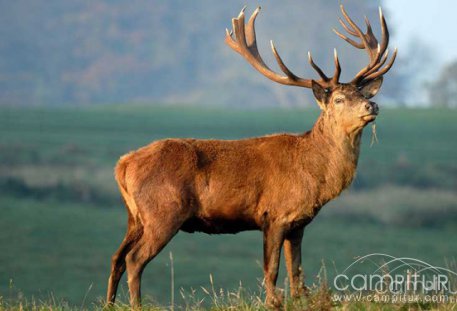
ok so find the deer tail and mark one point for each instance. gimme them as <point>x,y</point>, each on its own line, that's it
<point>120,175</point>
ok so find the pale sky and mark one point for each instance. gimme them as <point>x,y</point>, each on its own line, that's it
<point>433,22</point>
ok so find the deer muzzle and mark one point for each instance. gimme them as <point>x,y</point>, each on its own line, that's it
<point>372,108</point>
<point>371,111</point>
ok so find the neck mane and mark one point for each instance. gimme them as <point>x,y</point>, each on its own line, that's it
<point>326,130</point>
<point>337,156</point>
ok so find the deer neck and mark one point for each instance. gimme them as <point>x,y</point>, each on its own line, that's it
<point>347,143</point>
<point>338,154</point>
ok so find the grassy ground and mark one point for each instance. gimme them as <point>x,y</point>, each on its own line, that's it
<point>65,250</point>
<point>61,218</point>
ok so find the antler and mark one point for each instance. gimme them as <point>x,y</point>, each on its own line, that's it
<point>245,44</point>
<point>377,52</point>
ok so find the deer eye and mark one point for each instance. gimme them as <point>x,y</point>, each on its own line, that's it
<point>339,100</point>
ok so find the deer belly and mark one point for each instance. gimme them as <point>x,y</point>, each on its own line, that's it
<point>218,225</point>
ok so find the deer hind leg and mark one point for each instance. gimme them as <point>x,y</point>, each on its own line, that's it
<point>157,232</point>
<point>118,260</point>
<point>292,254</point>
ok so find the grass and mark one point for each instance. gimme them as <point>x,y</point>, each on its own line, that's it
<point>402,207</point>
<point>65,249</point>
<point>61,218</point>
<point>319,297</point>
<point>417,146</point>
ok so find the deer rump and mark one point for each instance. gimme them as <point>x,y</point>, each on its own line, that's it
<point>217,186</point>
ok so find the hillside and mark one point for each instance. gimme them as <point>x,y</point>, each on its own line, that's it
<point>85,52</point>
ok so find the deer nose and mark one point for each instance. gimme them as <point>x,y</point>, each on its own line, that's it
<point>372,107</point>
<point>375,108</point>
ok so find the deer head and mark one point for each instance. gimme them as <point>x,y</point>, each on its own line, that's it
<point>348,105</point>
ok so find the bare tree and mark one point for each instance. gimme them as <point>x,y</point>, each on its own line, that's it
<point>443,91</point>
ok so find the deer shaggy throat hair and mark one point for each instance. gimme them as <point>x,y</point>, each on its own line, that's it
<point>275,184</point>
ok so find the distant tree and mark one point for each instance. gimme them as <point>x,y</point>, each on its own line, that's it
<point>87,52</point>
<point>443,91</point>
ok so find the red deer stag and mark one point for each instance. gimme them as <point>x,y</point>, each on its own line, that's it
<point>276,184</point>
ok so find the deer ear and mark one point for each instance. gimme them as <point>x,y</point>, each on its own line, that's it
<point>321,94</point>
<point>371,88</point>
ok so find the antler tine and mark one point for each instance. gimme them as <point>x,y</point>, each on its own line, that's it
<point>349,40</point>
<point>238,29</point>
<point>316,68</point>
<point>347,28</point>
<point>250,35</point>
<point>381,72</point>
<point>367,23</point>
<point>384,31</point>
<point>250,29</point>
<point>229,39</point>
<point>244,42</point>
<point>281,63</point>
<point>336,75</point>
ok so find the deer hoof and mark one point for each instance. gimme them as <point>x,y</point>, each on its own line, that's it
<point>274,301</point>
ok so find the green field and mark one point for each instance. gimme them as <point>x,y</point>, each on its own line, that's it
<point>61,217</point>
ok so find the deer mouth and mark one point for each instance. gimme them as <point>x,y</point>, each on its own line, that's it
<point>369,117</point>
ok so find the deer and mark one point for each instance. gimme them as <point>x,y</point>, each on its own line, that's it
<point>275,184</point>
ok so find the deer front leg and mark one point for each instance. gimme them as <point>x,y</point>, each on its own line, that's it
<point>292,253</point>
<point>273,238</point>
